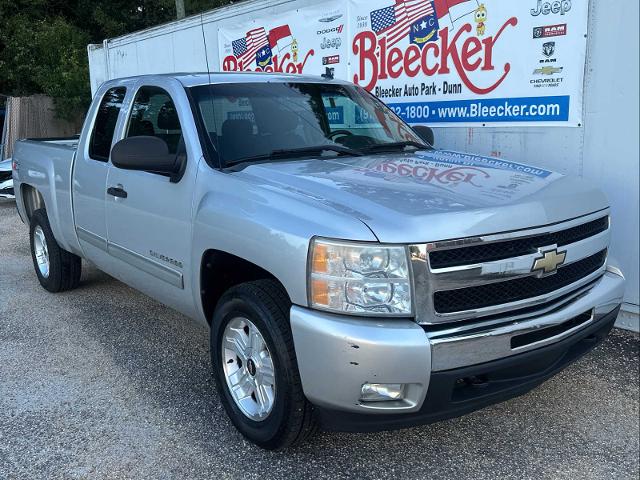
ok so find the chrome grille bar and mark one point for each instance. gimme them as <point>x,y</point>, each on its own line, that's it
<point>500,270</point>
<point>428,281</point>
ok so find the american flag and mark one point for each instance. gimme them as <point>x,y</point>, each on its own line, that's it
<point>395,22</point>
<point>245,49</point>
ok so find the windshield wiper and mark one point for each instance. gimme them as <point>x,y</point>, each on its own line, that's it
<point>296,152</point>
<point>395,146</point>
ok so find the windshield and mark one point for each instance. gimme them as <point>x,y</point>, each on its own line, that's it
<point>261,121</point>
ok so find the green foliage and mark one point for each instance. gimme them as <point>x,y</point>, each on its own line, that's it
<point>43,43</point>
<point>46,56</point>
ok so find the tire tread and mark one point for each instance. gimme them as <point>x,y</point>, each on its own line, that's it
<point>301,422</point>
<point>65,267</point>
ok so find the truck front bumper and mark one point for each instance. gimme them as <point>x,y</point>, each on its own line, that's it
<point>444,375</point>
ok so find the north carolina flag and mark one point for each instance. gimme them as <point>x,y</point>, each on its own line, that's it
<point>247,48</point>
<point>281,37</point>
<point>394,22</point>
<point>443,6</point>
<point>455,9</point>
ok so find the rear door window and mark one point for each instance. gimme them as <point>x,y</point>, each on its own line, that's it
<point>154,114</point>
<point>105,124</point>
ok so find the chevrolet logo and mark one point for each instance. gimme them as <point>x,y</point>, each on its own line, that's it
<point>549,262</point>
<point>547,70</point>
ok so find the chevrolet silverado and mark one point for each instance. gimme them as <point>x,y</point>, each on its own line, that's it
<point>354,278</point>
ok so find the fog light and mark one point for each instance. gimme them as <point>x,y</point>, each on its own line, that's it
<point>381,392</point>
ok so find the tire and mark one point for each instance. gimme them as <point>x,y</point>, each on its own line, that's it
<point>64,268</point>
<point>265,304</point>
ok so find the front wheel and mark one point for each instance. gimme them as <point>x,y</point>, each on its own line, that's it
<point>255,366</point>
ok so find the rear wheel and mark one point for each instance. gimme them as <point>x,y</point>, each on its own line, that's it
<point>57,269</point>
<point>255,366</point>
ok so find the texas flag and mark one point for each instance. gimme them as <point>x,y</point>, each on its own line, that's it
<point>455,9</point>
<point>280,37</point>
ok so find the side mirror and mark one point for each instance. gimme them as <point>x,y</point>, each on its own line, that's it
<point>149,154</point>
<point>425,133</point>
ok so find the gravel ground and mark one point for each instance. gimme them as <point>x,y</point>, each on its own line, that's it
<point>103,382</point>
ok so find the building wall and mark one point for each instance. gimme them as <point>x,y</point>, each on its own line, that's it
<point>604,148</point>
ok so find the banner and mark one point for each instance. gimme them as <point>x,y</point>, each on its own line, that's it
<point>434,62</point>
<point>465,62</point>
<point>309,40</point>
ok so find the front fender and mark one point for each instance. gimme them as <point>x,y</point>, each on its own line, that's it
<point>268,227</point>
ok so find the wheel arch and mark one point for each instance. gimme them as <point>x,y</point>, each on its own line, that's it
<point>219,271</point>
<point>32,200</point>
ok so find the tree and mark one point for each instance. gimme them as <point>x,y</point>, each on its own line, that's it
<point>43,43</point>
<point>46,56</point>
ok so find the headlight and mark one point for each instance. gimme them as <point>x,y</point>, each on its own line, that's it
<point>359,278</point>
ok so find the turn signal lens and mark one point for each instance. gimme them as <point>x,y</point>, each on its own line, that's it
<point>320,292</point>
<point>320,259</point>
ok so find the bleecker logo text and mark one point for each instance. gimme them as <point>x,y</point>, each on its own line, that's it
<point>377,62</point>
<point>431,174</point>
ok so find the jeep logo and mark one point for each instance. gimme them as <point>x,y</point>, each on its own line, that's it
<point>557,6</point>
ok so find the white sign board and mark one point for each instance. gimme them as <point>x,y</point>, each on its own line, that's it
<point>307,40</point>
<point>466,62</point>
<point>437,62</point>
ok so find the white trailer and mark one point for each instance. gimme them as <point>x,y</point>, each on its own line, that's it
<point>602,146</point>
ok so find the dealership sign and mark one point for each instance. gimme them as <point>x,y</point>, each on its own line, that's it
<point>455,62</point>
<point>308,40</point>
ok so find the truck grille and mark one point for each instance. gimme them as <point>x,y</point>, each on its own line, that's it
<point>504,292</point>
<point>514,248</point>
<point>494,275</point>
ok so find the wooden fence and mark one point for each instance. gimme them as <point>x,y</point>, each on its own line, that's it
<point>34,117</point>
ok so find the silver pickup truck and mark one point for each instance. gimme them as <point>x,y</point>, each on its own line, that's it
<point>354,277</point>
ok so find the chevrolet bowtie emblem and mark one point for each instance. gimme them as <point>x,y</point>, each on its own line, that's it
<point>549,262</point>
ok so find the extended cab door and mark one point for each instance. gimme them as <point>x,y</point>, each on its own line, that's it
<point>90,173</point>
<point>149,220</point>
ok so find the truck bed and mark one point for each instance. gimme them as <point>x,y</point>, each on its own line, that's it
<point>45,164</point>
<point>65,142</point>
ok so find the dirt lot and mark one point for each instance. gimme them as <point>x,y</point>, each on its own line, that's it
<point>103,382</point>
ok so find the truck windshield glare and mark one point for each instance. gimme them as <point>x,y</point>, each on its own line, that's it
<point>250,121</point>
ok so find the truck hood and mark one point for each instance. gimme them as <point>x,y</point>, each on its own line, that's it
<point>433,195</point>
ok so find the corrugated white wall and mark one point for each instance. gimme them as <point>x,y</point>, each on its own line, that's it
<point>177,46</point>
<point>604,148</point>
